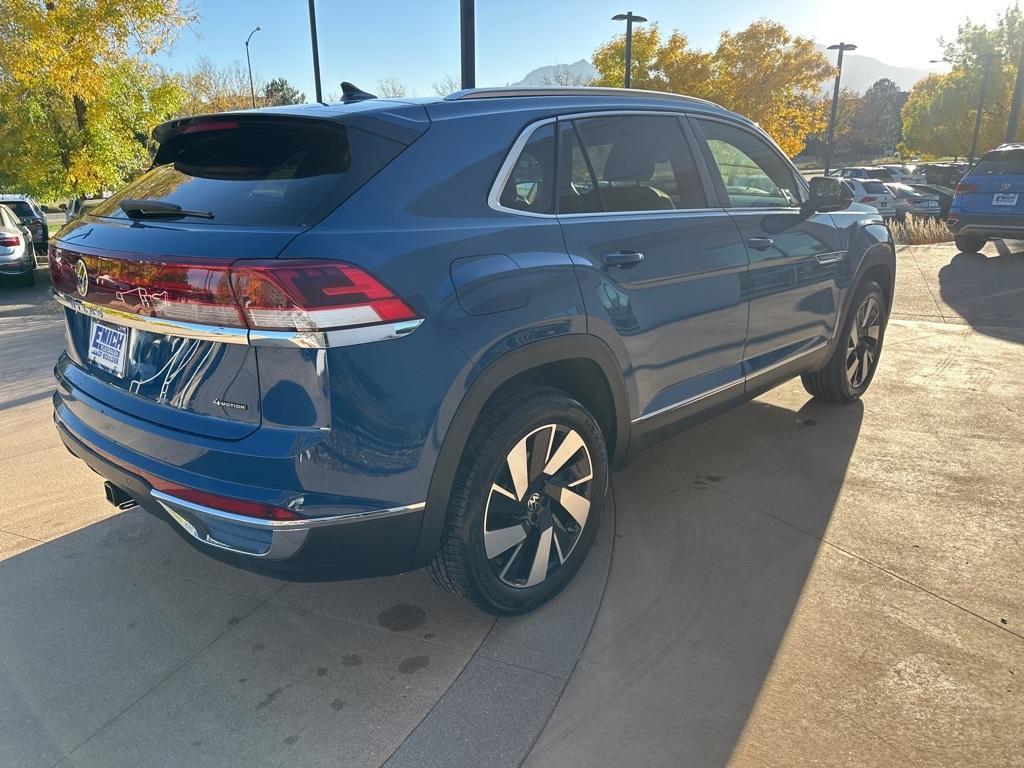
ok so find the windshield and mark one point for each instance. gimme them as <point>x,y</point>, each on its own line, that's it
<point>251,172</point>
<point>1006,163</point>
<point>875,188</point>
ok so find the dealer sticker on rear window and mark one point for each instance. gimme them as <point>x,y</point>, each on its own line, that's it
<point>108,347</point>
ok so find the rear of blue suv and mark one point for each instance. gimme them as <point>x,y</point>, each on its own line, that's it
<point>380,335</point>
<point>989,200</point>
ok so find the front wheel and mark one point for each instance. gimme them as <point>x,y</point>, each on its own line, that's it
<point>854,360</point>
<point>525,505</point>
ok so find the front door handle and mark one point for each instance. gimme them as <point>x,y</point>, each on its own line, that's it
<point>623,259</point>
<point>760,243</point>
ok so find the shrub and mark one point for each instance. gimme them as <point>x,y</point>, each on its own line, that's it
<point>920,231</point>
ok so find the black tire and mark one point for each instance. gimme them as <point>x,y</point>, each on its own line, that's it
<point>834,382</point>
<point>969,243</point>
<point>530,420</point>
<point>28,279</point>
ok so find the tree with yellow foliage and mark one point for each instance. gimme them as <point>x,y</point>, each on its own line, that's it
<point>762,72</point>
<point>77,97</point>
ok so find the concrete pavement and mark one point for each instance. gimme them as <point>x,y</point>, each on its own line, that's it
<point>790,584</point>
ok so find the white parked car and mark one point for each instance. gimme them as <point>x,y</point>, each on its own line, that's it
<point>873,193</point>
<point>17,256</point>
<point>890,174</point>
<point>906,174</point>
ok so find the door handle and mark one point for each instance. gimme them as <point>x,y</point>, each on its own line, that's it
<point>623,259</point>
<point>828,258</point>
<point>760,243</point>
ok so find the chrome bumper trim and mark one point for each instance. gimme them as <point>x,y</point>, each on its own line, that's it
<point>341,337</point>
<point>287,536</point>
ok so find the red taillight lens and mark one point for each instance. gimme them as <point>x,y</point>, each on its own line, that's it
<point>195,294</point>
<point>313,296</point>
<point>10,241</point>
<point>966,189</point>
<point>868,199</point>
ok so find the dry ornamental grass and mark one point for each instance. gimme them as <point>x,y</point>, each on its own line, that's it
<point>920,231</point>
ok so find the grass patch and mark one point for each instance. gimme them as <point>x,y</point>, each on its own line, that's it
<point>919,231</point>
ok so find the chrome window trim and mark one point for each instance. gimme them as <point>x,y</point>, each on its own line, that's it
<point>340,337</point>
<point>736,382</point>
<point>494,195</point>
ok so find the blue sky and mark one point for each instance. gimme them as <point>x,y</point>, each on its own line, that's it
<point>418,42</point>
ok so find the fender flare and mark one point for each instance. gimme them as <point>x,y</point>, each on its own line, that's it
<point>879,253</point>
<point>484,384</point>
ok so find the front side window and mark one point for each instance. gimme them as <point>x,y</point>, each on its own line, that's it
<point>531,185</point>
<point>754,174</point>
<point>624,163</point>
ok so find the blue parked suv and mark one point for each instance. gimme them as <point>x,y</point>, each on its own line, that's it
<point>372,336</point>
<point>989,200</point>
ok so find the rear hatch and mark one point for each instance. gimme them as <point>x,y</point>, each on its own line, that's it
<point>995,185</point>
<point>877,195</point>
<point>164,282</point>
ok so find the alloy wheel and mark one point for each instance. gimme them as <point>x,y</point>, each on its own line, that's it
<point>863,344</point>
<point>537,506</point>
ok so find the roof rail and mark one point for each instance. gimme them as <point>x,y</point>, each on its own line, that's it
<point>580,90</point>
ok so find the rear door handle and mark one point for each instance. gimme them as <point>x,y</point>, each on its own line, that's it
<point>623,259</point>
<point>760,243</point>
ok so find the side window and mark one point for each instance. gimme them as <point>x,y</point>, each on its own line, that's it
<point>627,163</point>
<point>531,185</point>
<point>754,174</point>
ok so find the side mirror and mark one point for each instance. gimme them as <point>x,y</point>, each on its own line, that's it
<point>63,206</point>
<point>828,193</point>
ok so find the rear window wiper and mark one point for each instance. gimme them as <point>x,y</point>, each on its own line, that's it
<point>157,209</point>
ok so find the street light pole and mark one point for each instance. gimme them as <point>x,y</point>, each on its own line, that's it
<point>1018,92</point>
<point>248,63</point>
<point>629,17</point>
<point>989,58</point>
<point>842,48</point>
<point>467,24</point>
<point>316,52</point>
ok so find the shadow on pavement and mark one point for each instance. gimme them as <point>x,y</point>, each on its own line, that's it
<point>987,291</point>
<point>717,532</point>
<point>19,300</point>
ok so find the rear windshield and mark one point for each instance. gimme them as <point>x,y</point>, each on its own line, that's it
<point>21,209</point>
<point>1005,163</point>
<point>875,188</point>
<point>248,172</point>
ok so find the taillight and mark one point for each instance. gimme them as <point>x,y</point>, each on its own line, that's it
<point>10,241</point>
<point>966,189</point>
<point>313,296</point>
<point>280,295</point>
<point>868,199</point>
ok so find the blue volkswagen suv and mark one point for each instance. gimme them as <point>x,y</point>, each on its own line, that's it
<point>989,200</point>
<point>386,334</point>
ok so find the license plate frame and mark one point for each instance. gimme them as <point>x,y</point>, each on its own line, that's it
<point>108,347</point>
<point>1004,198</point>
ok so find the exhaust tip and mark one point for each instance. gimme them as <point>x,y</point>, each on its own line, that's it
<point>119,497</point>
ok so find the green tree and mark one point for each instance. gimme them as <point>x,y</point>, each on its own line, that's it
<point>762,72</point>
<point>78,97</point>
<point>279,92</point>
<point>875,126</point>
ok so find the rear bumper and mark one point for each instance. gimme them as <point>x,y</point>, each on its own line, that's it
<point>370,543</point>
<point>1006,226</point>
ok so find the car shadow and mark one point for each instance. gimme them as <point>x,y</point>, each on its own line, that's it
<point>987,291</point>
<point>717,533</point>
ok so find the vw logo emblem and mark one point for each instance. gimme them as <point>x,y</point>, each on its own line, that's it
<point>1005,187</point>
<point>81,278</point>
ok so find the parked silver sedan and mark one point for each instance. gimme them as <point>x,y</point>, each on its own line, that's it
<point>17,255</point>
<point>911,202</point>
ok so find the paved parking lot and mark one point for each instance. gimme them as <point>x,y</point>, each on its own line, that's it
<point>788,584</point>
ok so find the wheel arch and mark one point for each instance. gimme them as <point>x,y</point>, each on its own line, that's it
<point>579,364</point>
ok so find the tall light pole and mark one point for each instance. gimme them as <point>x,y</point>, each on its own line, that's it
<point>467,29</point>
<point>842,48</point>
<point>1018,91</point>
<point>988,58</point>
<point>316,52</point>
<point>629,17</point>
<point>252,91</point>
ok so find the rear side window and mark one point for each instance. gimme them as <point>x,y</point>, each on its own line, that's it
<point>531,185</point>
<point>249,172</point>
<point>627,163</point>
<point>754,174</point>
<point>21,209</point>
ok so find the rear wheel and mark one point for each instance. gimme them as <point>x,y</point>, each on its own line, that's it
<point>969,243</point>
<point>525,505</point>
<point>28,279</point>
<point>852,365</point>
